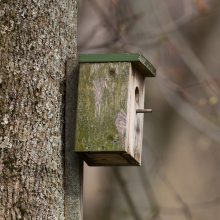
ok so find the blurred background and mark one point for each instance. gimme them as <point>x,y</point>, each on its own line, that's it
<point>180,174</point>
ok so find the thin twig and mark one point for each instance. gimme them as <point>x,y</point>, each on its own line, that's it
<point>188,112</point>
<point>181,45</point>
<point>171,210</point>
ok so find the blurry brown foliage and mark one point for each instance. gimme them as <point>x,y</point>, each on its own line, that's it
<point>179,177</point>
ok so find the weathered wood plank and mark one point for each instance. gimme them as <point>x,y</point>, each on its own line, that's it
<point>102,107</point>
<point>135,133</point>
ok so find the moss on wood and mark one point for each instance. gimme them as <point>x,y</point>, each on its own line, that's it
<point>102,107</point>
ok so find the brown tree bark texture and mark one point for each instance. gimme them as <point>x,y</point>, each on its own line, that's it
<point>36,39</point>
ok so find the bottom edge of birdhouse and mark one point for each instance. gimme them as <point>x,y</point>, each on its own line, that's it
<point>116,158</point>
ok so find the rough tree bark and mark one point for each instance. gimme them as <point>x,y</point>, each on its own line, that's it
<point>37,37</point>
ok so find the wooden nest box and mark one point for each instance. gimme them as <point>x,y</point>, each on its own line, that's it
<point>109,128</point>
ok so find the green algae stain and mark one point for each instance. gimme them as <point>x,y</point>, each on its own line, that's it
<point>103,91</point>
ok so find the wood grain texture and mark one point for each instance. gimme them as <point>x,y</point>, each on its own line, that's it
<point>136,101</point>
<point>109,132</point>
<point>102,107</point>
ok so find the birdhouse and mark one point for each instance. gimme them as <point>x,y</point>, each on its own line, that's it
<point>110,107</point>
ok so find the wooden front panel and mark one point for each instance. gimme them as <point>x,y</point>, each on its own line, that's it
<point>102,107</point>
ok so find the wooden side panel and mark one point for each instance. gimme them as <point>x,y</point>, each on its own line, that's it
<point>102,107</point>
<point>135,120</point>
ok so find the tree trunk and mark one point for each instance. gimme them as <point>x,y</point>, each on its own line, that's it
<point>37,37</point>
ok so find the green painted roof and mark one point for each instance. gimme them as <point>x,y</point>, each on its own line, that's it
<point>137,60</point>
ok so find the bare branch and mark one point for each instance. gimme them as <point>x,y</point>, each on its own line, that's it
<point>185,207</point>
<point>188,112</point>
<point>181,45</point>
